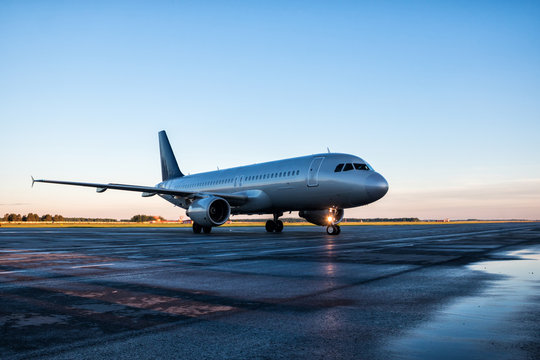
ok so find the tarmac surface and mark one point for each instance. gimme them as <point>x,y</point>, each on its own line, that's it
<point>374,292</point>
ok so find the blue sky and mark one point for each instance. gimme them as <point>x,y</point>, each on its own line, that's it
<point>443,98</point>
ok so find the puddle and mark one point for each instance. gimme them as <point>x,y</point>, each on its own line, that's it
<point>481,326</point>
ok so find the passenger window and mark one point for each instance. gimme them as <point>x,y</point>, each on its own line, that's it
<point>339,168</point>
<point>348,167</point>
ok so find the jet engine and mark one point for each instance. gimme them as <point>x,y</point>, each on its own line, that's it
<point>209,211</point>
<point>323,217</point>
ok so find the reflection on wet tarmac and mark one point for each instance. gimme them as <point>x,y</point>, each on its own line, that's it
<point>481,326</point>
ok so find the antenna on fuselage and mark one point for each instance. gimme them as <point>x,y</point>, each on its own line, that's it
<point>327,148</point>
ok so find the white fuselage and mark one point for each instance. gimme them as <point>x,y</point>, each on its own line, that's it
<point>302,183</point>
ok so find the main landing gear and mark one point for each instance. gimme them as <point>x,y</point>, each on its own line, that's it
<point>197,228</point>
<point>274,225</point>
<point>333,229</point>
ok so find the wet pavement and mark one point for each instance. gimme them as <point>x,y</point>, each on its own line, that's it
<point>375,292</point>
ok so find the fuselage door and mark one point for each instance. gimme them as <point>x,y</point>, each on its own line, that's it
<point>313,173</point>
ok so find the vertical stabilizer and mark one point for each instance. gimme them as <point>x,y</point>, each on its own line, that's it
<point>169,166</point>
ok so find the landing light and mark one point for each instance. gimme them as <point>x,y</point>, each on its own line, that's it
<point>330,219</point>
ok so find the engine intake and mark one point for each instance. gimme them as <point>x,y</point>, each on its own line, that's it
<point>209,211</point>
<point>323,217</point>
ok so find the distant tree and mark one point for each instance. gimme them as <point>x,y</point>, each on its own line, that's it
<point>24,218</point>
<point>47,217</point>
<point>58,218</point>
<point>14,217</point>
<point>143,218</point>
<point>5,218</point>
<point>33,217</point>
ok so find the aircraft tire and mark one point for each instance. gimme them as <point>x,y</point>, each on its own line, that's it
<point>279,226</point>
<point>270,226</point>
<point>338,229</point>
<point>207,229</point>
<point>332,230</point>
<point>196,228</point>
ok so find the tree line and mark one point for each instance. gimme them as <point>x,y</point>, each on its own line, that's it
<point>31,217</point>
<point>145,218</point>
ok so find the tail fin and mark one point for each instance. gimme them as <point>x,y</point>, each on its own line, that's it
<point>169,166</point>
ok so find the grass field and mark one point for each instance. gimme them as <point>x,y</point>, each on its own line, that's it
<point>231,224</point>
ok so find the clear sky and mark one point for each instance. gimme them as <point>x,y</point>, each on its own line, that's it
<point>442,98</point>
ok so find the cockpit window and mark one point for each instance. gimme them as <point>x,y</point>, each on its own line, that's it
<point>339,167</point>
<point>348,167</point>
<point>361,166</point>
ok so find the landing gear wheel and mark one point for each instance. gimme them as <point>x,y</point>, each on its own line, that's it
<point>338,229</point>
<point>197,228</point>
<point>207,229</point>
<point>333,229</point>
<point>279,226</point>
<point>270,226</point>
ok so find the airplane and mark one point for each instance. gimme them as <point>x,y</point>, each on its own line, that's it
<point>318,186</point>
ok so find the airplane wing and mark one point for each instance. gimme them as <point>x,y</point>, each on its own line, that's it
<point>233,199</point>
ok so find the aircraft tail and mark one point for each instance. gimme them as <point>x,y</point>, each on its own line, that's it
<point>169,166</point>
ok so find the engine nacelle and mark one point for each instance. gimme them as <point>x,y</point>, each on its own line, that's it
<point>209,211</point>
<point>323,217</point>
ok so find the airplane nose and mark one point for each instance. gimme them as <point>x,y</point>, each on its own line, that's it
<point>376,186</point>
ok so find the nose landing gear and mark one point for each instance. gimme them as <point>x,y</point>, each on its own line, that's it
<point>333,228</point>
